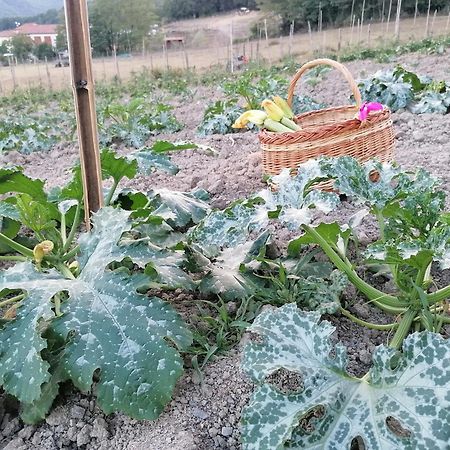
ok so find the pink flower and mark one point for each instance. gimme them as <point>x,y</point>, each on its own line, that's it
<point>367,107</point>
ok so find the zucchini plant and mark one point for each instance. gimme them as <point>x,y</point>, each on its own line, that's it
<point>402,402</point>
<point>72,302</point>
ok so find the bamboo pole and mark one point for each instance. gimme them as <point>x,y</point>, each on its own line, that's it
<point>368,35</point>
<point>415,11</point>
<point>83,91</point>
<point>265,30</point>
<point>382,11</point>
<point>448,22</point>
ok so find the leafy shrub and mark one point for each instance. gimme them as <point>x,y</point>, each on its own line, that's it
<point>399,88</point>
<point>219,117</point>
<point>134,122</point>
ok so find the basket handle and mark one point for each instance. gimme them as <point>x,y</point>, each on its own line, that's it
<point>329,62</point>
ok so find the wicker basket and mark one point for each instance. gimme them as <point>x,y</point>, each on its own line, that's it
<point>329,132</point>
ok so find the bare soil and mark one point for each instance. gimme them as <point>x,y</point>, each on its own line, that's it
<point>205,415</point>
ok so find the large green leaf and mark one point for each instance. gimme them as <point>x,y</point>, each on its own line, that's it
<point>294,197</point>
<point>13,180</point>
<point>330,408</point>
<point>223,274</point>
<point>229,227</point>
<point>130,339</point>
<point>178,208</point>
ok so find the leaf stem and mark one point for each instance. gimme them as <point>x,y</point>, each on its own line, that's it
<point>12,258</point>
<point>373,326</point>
<point>75,224</point>
<point>63,229</point>
<point>12,300</point>
<point>71,254</point>
<point>439,295</point>
<point>64,270</point>
<point>16,246</point>
<point>379,298</point>
<point>403,328</point>
<point>111,192</point>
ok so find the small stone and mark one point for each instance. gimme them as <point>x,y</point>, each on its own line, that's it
<point>365,357</point>
<point>200,414</point>
<point>16,444</point>
<point>26,432</point>
<point>100,429</point>
<point>226,431</point>
<point>11,427</point>
<point>213,432</point>
<point>72,434</point>
<point>77,412</point>
<point>84,436</point>
<point>56,417</point>
<point>194,181</point>
<point>418,136</point>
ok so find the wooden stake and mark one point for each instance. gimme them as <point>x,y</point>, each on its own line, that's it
<point>231,48</point>
<point>311,45</point>
<point>415,11</point>
<point>166,55</point>
<point>428,19</point>
<point>116,62</point>
<point>382,12</point>
<point>362,15</point>
<point>432,23</point>
<point>265,29</point>
<point>352,29</point>
<point>291,35</point>
<point>186,59</point>
<point>448,22</point>
<point>389,16</point>
<point>83,91</point>
<point>352,11</point>
<point>368,35</point>
<point>397,20</point>
<point>339,44</point>
<point>49,78</point>
<point>13,73</point>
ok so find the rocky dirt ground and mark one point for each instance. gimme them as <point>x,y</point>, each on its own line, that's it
<point>205,415</point>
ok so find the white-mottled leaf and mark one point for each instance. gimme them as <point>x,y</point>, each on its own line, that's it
<point>412,388</point>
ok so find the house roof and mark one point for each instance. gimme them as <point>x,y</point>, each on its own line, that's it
<point>31,28</point>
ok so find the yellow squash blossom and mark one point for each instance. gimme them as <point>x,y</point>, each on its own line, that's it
<point>253,116</point>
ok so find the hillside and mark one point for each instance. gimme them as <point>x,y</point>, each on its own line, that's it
<point>24,8</point>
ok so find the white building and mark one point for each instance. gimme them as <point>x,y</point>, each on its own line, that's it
<point>38,33</point>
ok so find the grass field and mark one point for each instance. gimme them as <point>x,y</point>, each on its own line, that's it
<point>301,47</point>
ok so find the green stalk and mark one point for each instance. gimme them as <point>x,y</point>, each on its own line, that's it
<point>16,246</point>
<point>63,228</point>
<point>381,226</point>
<point>64,270</point>
<point>387,302</point>
<point>71,254</point>
<point>12,258</point>
<point>363,323</point>
<point>12,300</point>
<point>73,230</point>
<point>439,295</point>
<point>111,192</point>
<point>403,328</point>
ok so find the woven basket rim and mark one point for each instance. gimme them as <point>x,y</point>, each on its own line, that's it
<point>311,132</point>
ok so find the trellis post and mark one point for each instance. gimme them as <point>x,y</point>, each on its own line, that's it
<point>83,90</point>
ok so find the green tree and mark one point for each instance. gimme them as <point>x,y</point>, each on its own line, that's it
<point>21,46</point>
<point>43,50</point>
<point>121,23</point>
